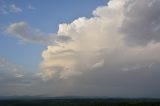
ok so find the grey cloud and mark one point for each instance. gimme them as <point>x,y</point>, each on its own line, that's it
<point>135,83</point>
<point>12,74</point>
<point>63,39</point>
<point>110,80</point>
<point>26,33</point>
<point>106,81</point>
<point>141,24</point>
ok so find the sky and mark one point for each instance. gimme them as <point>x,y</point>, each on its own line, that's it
<point>80,48</point>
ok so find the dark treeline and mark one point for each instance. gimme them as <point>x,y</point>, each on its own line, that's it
<point>81,102</point>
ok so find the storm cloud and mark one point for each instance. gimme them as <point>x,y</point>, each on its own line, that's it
<point>115,52</point>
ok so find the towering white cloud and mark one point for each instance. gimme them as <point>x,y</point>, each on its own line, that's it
<point>101,55</point>
<point>89,37</point>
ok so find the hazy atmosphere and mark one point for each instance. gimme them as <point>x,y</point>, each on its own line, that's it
<point>80,48</point>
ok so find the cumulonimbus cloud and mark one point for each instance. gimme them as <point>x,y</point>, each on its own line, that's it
<point>120,40</point>
<point>111,29</point>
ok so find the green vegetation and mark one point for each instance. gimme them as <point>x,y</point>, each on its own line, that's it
<point>81,102</point>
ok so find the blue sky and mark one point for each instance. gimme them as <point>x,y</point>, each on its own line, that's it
<point>46,16</point>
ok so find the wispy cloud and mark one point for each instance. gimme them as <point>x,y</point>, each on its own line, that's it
<point>30,7</point>
<point>11,73</point>
<point>7,9</point>
<point>15,79</point>
<point>26,33</point>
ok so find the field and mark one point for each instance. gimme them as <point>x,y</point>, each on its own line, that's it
<point>81,102</point>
